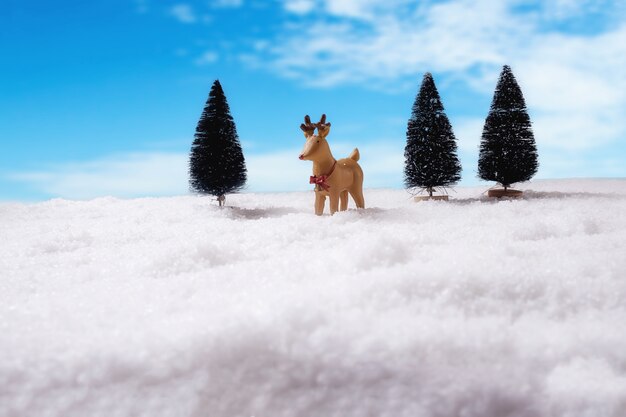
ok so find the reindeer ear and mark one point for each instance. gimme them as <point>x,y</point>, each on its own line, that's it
<point>323,130</point>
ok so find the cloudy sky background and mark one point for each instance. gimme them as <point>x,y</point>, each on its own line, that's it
<point>102,98</point>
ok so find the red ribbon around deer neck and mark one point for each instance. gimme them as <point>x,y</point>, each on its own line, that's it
<point>321,179</point>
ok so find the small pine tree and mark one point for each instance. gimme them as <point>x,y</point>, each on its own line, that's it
<point>430,153</point>
<point>216,163</point>
<point>508,153</point>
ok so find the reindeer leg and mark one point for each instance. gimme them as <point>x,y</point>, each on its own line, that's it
<point>357,196</point>
<point>320,199</point>
<point>334,202</point>
<point>343,203</point>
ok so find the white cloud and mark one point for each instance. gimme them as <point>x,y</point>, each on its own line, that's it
<point>454,40</point>
<point>160,173</point>
<point>565,9</point>
<point>183,13</point>
<point>363,9</point>
<point>128,175</point>
<point>207,58</point>
<point>468,132</point>
<point>299,7</point>
<point>453,36</point>
<point>576,88</point>
<point>163,174</point>
<point>575,85</point>
<point>558,164</point>
<point>280,170</point>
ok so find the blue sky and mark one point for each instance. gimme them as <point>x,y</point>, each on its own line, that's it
<point>102,97</point>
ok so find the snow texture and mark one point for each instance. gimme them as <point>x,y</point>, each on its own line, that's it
<point>172,307</point>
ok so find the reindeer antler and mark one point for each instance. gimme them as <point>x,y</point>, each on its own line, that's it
<point>307,127</point>
<point>322,122</point>
<point>322,127</point>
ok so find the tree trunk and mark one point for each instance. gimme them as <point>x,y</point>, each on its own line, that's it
<point>221,199</point>
<point>430,191</point>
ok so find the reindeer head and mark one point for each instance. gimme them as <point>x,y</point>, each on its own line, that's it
<point>315,146</point>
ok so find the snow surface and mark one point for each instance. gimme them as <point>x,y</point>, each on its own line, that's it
<point>172,307</point>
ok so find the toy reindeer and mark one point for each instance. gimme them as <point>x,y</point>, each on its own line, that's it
<point>332,178</point>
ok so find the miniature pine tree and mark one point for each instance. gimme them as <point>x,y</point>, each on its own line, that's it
<point>508,153</point>
<point>216,163</point>
<point>430,153</point>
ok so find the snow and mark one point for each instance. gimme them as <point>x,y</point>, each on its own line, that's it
<point>172,307</point>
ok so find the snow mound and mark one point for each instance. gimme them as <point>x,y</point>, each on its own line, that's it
<point>173,307</point>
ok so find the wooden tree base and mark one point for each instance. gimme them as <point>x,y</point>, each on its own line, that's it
<point>499,193</point>
<point>428,198</point>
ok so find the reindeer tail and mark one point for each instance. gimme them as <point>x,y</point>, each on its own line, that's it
<point>355,154</point>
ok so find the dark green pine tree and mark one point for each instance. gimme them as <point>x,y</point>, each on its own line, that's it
<point>216,163</point>
<point>508,153</point>
<point>430,153</point>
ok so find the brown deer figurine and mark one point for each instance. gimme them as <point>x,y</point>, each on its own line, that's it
<point>332,178</point>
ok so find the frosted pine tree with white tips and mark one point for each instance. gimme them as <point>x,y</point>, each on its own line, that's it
<point>430,155</point>
<point>508,153</point>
